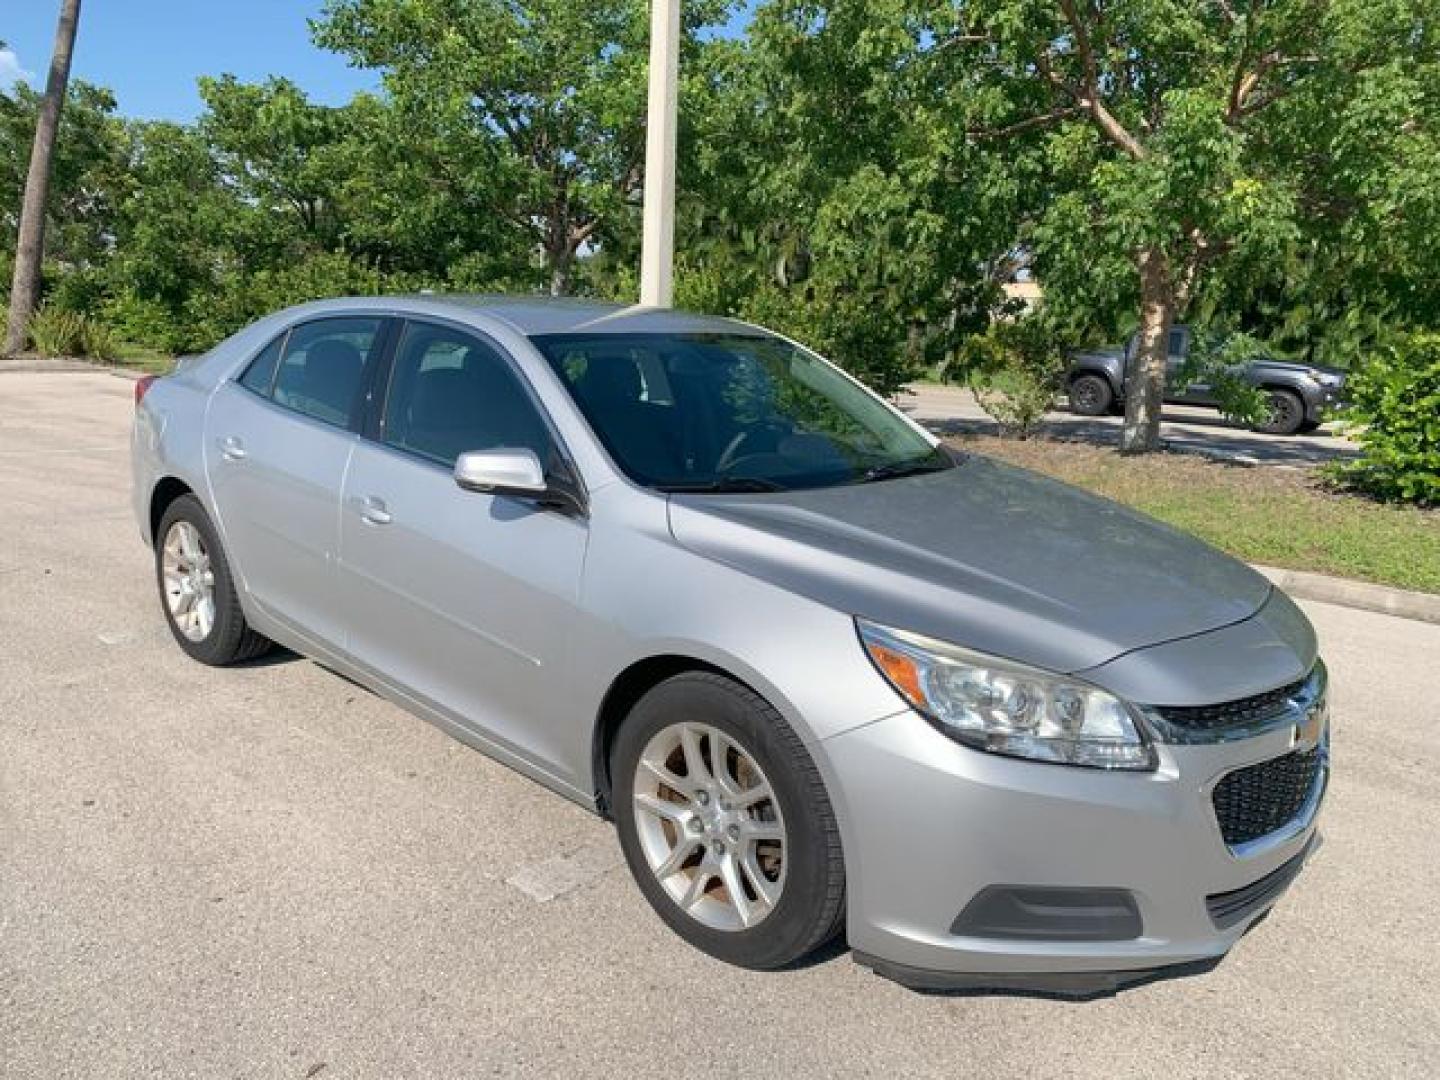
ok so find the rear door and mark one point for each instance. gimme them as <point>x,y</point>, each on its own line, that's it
<point>1177,348</point>
<point>278,441</point>
<point>467,600</point>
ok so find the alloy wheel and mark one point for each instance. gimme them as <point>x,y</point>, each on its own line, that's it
<point>189,581</point>
<point>710,826</point>
<point>1283,413</point>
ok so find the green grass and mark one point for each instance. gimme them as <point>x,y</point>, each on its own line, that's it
<point>144,359</point>
<point>1281,518</point>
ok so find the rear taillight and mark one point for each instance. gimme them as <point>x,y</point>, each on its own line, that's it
<point>142,386</point>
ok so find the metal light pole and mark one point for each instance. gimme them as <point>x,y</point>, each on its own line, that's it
<point>657,248</point>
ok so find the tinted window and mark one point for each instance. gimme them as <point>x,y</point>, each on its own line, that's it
<point>261,372</point>
<point>730,411</point>
<point>320,375</point>
<point>450,393</point>
<point>1177,342</point>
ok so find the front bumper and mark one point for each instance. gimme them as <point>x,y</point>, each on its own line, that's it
<point>1324,402</point>
<point>930,824</point>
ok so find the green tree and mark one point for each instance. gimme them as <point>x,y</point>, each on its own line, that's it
<point>540,101</point>
<point>280,152</point>
<point>30,239</point>
<point>87,175</point>
<point>1153,118</point>
<point>177,232</point>
<point>828,188</point>
<point>1360,140</point>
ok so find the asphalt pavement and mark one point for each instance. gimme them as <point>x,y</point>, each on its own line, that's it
<point>268,872</point>
<point>952,410</point>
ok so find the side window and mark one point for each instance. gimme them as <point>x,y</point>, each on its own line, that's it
<point>261,372</point>
<point>320,374</point>
<point>1177,342</point>
<point>450,393</point>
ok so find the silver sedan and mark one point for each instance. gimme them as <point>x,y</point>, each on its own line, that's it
<point>821,671</point>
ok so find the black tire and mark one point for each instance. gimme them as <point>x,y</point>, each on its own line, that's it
<point>230,640</point>
<point>1091,395</point>
<point>1287,413</point>
<point>1310,426</point>
<point>811,905</point>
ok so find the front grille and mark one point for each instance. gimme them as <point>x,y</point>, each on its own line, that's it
<point>1255,801</point>
<point>1245,713</point>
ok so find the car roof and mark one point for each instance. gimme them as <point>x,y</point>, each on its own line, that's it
<point>535,316</point>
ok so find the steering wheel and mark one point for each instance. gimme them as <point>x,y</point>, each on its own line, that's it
<point>731,456</point>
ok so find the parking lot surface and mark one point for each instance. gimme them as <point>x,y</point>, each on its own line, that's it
<point>952,410</point>
<point>268,872</point>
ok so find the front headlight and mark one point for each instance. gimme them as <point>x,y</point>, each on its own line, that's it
<point>1006,707</point>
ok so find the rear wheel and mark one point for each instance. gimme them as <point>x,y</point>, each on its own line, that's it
<point>1286,413</point>
<point>197,591</point>
<point>725,823</point>
<point>1090,395</point>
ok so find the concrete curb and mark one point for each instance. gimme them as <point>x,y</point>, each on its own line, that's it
<point>35,366</point>
<point>1382,599</point>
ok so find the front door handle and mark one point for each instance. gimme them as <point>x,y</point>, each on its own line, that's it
<point>232,448</point>
<point>372,510</point>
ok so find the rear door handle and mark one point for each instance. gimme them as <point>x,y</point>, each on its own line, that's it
<point>232,448</point>
<point>373,510</point>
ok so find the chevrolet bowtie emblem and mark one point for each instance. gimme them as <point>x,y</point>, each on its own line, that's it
<point>1309,731</point>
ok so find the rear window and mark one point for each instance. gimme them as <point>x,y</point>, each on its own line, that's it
<point>261,372</point>
<point>320,373</point>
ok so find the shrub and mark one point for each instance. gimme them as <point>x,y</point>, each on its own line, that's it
<point>1395,403</point>
<point>1015,369</point>
<point>81,291</point>
<point>1218,359</point>
<point>239,297</point>
<point>147,322</point>
<point>98,341</point>
<point>56,332</point>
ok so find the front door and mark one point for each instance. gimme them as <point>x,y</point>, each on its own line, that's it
<point>277,444</point>
<point>464,599</point>
<point>1191,387</point>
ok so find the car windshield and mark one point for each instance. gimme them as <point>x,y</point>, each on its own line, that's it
<point>732,412</point>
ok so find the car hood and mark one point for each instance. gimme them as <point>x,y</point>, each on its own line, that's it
<point>1100,354</point>
<point>984,555</point>
<point>1293,367</point>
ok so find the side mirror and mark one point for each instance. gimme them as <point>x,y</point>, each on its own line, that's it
<point>501,472</point>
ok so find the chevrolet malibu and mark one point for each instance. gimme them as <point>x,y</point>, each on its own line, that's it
<point>821,671</point>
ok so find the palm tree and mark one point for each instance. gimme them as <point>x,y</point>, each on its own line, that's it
<point>30,248</point>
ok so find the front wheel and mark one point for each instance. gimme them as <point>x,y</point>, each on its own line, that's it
<point>197,590</point>
<point>1286,413</point>
<point>1090,395</point>
<point>725,823</point>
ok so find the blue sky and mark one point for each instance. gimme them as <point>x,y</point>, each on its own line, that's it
<point>150,52</point>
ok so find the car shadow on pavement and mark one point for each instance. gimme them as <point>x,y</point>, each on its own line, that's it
<point>275,655</point>
<point>1169,974</point>
<point>1122,984</point>
<point>839,947</point>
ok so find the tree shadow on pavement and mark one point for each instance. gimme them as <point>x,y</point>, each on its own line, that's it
<point>1228,441</point>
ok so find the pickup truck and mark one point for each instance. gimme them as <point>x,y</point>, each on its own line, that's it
<point>1298,395</point>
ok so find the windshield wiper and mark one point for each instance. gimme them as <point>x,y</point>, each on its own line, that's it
<point>897,469</point>
<point>728,484</point>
